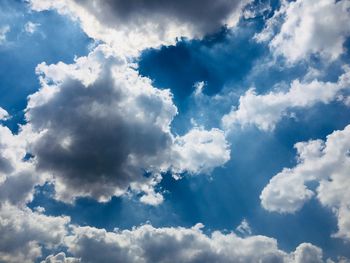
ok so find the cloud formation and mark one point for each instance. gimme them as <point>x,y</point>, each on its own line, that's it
<point>309,27</point>
<point>25,233</point>
<point>132,26</point>
<point>325,162</point>
<point>101,128</point>
<point>3,114</point>
<point>17,177</point>
<point>264,111</point>
<point>149,244</point>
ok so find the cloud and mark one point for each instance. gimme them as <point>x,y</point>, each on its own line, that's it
<point>60,258</point>
<point>24,233</point>
<point>3,114</point>
<point>17,177</point>
<point>100,128</point>
<point>3,31</point>
<point>31,27</point>
<point>132,26</point>
<point>309,27</point>
<point>11,151</point>
<point>325,162</point>
<point>264,111</point>
<point>199,151</point>
<point>244,228</point>
<point>149,244</point>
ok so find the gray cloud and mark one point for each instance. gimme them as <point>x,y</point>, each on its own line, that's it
<point>204,15</point>
<point>185,245</point>
<point>6,160</point>
<point>99,135</point>
<point>24,233</point>
<point>17,178</point>
<point>132,26</point>
<point>93,133</point>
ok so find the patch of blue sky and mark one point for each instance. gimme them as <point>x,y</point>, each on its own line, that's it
<point>54,38</point>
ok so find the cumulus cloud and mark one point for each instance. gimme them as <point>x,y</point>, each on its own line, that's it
<point>309,27</point>
<point>100,127</point>
<point>131,26</point>
<point>17,177</point>
<point>3,114</point>
<point>25,233</point>
<point>149,244</point>
<point>325,162</point>
<point>199,151</point>
<point>264,111</point>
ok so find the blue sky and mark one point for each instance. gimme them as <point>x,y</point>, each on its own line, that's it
<point>122,126</point>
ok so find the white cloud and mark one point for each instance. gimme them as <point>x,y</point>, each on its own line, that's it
<point>131,27</point>
<point>17,177</point>
<point>199,151</point>
<point>325,162</point>
<point>199,87</point>
<point>24,233</point>
<point>60,258</point>
<point>3,114</point>
<point>309,27</point>
<point>31,27</point>
<point>99,127</point>
<point>10,150</point>
<point>307,252</point>
<point>266,110</point>
<point>3,31</point>
<point>244,228</point>
<point>149,244</point>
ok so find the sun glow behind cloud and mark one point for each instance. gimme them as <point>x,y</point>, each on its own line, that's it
<point>106,128</point>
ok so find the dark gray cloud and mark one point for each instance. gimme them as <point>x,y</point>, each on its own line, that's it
<point>204,15</point>
<point>99,136</point>
<point>132,26</point>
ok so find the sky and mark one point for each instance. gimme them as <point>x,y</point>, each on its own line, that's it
<point>174,131</point>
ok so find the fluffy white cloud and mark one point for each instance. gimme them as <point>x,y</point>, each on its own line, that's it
<point>325,162</point>
<point>99,127</point>
<point>199,151</point>
<point>132,26</point>
<point>266,110</point>
<point>17,177</point>
<point>149,244</point>
<point>24,233</point>
<point>309,27</point>
<point>3,114</point>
